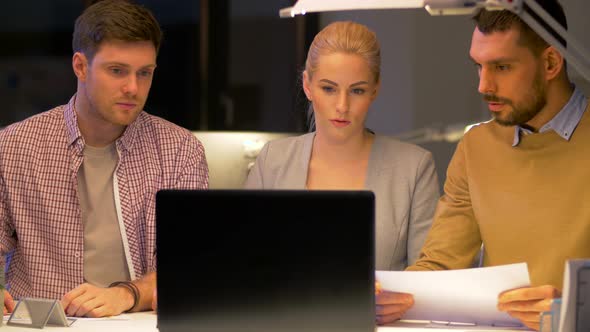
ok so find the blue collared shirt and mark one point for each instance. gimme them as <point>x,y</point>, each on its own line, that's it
<point>565,122</point>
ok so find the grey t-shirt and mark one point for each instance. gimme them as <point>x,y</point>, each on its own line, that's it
<point>104,254</point>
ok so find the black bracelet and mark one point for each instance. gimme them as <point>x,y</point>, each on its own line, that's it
<point>130,287</point>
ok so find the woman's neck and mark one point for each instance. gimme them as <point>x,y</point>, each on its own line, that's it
<point>347,151</point>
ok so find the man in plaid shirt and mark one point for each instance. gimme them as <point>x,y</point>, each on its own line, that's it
<point>78,182</point>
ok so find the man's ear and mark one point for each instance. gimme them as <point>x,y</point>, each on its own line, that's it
<point>80,65</point>
<point>553,62</point>
<point>306,83</point>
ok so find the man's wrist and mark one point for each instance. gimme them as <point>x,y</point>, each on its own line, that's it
<point>131,288</point>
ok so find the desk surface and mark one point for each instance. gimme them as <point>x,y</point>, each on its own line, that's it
<point>136,322</point>
<point>146,322</point>
<point>413,326</point>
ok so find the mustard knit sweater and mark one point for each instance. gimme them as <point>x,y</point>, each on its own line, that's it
<point>529,203</point>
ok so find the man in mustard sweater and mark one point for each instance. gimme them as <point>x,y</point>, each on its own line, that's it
<point>518,183</point>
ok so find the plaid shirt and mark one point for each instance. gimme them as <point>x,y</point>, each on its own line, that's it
<point>40,219</point>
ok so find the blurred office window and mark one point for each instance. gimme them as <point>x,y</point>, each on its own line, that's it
<point>266,58</point>
<point>35,57</point>
<point>223,64</point>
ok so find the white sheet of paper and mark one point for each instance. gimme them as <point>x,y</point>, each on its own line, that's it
<point>111,318</point>
<point>466,296</point>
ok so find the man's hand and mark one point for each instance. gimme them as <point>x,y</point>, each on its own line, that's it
<point>8,302</point>
<point>390,306</point>
<point>92,301</point>
<point>527,304</point>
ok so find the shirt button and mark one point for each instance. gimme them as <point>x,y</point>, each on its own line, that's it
<point>77,254</point>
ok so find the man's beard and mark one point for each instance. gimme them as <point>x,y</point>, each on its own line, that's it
<point>522,112</point>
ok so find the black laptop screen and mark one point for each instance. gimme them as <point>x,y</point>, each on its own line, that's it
<point>249,260</point>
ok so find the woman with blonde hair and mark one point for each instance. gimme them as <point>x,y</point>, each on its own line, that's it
<point>341,80</point>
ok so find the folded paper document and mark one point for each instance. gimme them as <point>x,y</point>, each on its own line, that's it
<point>459,296</point>
<point>36,313</point>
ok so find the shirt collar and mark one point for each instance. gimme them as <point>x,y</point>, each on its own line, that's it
<point>564,123</point>
<point>71,119</point>
<point>125,142</point>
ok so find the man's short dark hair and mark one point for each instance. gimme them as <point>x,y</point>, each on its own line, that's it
<point>489,21</point>
<point>114,20</point>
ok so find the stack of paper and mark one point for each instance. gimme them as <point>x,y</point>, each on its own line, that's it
<point>459,296</point>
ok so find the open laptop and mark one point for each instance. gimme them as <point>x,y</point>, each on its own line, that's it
<point>254,260</point>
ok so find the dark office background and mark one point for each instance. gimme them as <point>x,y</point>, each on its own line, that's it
<point>223,64</point>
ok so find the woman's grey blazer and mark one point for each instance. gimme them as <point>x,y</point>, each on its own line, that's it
<point>401,175</point>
